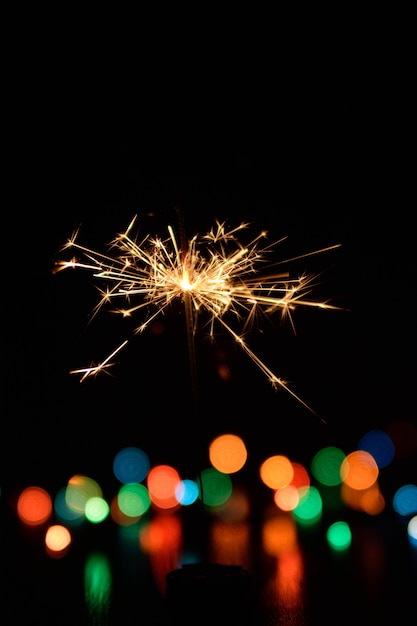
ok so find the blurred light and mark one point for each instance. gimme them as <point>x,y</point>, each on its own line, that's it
<point>287,498</point>
<point>161,539</point>
<point>339,535</point>
<point>379,444</point>
<point>405,500</point>
<point>230,542</point>
<point>359,470</point>
<point>215,487</point>
<point>309,509</point>
<point>64,512</point>
<point>279,534</point>
<point>289,584</point>
<point>133,499</point>
<point>326,465</point>
<point>228,453</point>
<point>79,489</point>
<point>301,476</point>
<point>412,530</point>
<point>162,483</point>
<point>369,500</point>
<point>120,518</point>
<point>57,541</point>
<point>131,465</point>
<point>96,509</point>
<point>373,501</point>
<point>186,492</point>
<point>277,471</point>
<point>97,587</point>
<point>34,506</point>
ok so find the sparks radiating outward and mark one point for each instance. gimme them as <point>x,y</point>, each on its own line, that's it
<point>213,274</point>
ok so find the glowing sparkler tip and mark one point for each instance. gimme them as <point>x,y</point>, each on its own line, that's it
<point>217,279</point>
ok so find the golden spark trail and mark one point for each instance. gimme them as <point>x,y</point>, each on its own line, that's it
<point>213,275</point>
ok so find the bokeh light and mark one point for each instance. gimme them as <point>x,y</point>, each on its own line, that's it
<point>65,513</point>
<point>162,483</point>
<point>277,471</point>
<point>161,539</point>
<point>119,517</point>
<point>412,531</point>
<point>96,509</point>
<point>326,464</point>
<point>131,465</point>
<point>287,498</point>
<point>369,500</point>
<point>133,499</point>
<point>79,489</point>
<point>215,487</point>
<point>405,500</point>
<point>359,470</point>
<point>309,509</point>
<point>339,535</point>
<point>34,506</point>
<point>57,540</point>
<point>301,477</point>
<point>186,491</point>
<point>227,453</point>
<point>98,582</point>
<point>279,534</point>
<point>380,445</point>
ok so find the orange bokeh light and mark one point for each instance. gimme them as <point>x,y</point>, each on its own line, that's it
<point>57,540</point>
<point>227,453</point>
<point>359,470</point>
<point>34,506</point>
<point>277,471</point>
<point>162,483</point>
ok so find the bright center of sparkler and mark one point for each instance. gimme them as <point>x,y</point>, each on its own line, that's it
<point>185,282</point>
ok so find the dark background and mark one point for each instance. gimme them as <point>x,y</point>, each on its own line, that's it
<point>352,366</point>
<point>316,150</point>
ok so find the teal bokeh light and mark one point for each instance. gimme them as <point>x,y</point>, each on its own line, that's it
<point>131,465</point>
<point>405,500</point>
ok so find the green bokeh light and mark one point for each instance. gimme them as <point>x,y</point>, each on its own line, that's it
<point>326,465</point>
<point>215,487</point>
<point>96,509</point>
<point>310,507</point>
<point>339,535</point>
<point>133,499</point>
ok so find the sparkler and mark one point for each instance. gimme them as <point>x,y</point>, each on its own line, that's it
<point>215,276</point>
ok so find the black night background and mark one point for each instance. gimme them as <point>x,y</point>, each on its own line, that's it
<point>328,171</point>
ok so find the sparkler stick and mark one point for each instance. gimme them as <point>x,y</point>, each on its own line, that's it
<point>214,275</point>
<point>188,312</point>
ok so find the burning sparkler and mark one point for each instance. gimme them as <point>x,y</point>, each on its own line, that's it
<point>214,274</point>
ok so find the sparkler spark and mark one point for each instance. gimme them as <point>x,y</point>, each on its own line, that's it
<point>214,274</point>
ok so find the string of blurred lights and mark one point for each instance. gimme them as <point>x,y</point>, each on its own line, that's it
<point>352,479</point>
